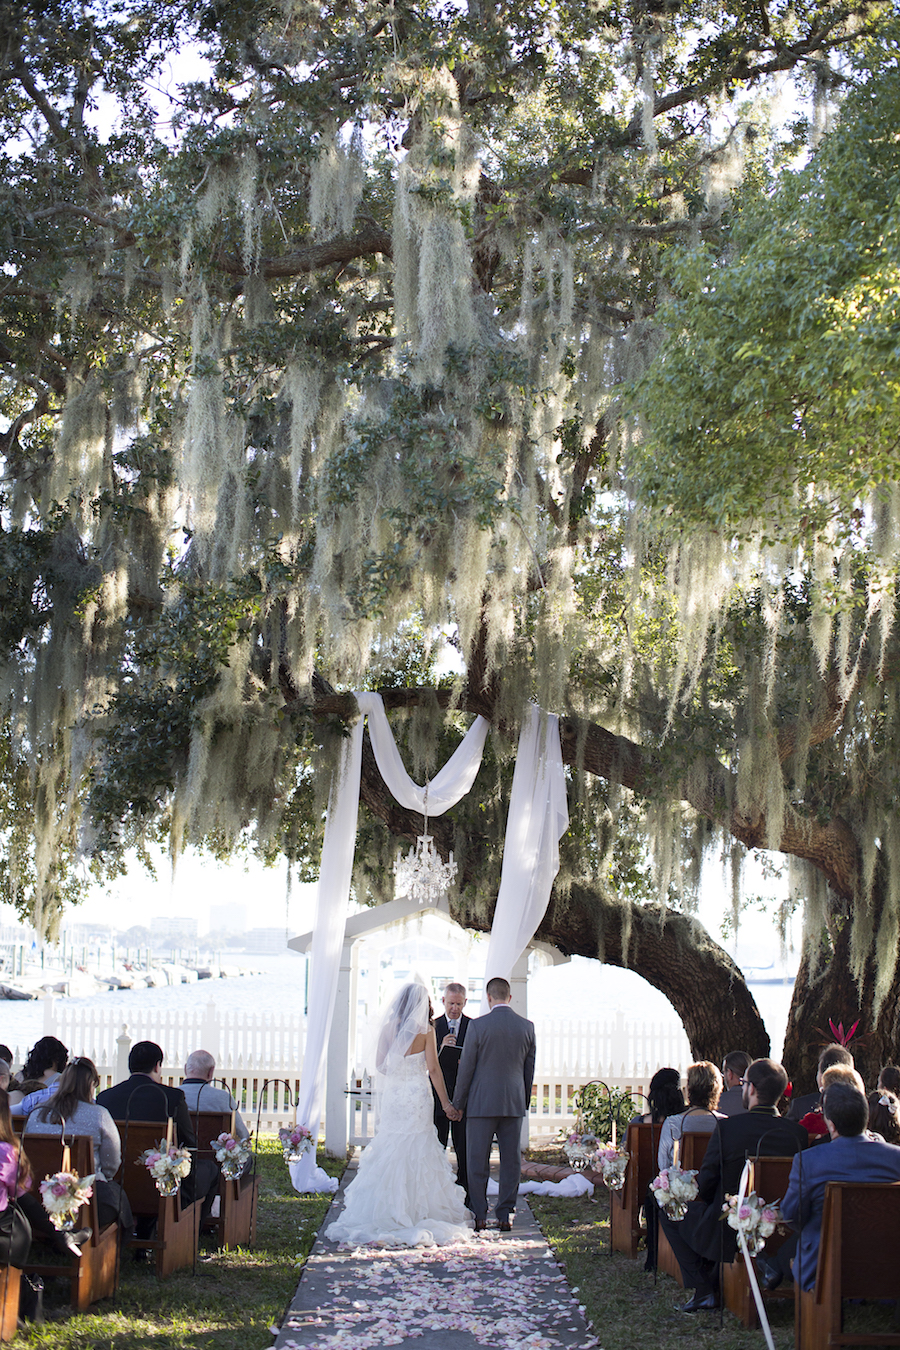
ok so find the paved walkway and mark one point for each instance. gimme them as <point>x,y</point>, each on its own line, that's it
<point>502,1290</point>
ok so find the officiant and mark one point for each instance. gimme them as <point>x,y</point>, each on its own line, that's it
<point>450,1030</point>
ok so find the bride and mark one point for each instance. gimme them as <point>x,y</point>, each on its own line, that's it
<point>404,1194</point>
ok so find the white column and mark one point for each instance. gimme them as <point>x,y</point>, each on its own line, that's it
<point>338,1062</point>
<point>518,984</point>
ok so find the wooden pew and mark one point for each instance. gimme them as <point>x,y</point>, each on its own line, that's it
<point>857,1259</point>
<point>236,1224</point>
<point>10,1286</point>
<point>178,1225</point>
<point>641,1142</point>
<point>692,1151</point>
<point>770,1183</point>
<point>94,1274</point>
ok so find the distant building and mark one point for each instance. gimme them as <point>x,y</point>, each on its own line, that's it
<point>230,918</point>
<point>173,926</point>
<point>265,940</point>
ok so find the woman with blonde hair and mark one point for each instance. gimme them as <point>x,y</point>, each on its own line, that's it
<point>704,1088</point>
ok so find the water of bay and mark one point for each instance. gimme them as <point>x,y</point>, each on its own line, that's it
<point>581,990</point>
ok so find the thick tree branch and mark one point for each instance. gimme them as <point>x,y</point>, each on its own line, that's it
<point>372,239</point>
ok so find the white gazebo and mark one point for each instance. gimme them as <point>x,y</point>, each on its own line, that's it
<point>343,1038</point>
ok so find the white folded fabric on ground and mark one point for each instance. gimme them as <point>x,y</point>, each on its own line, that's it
<point>307,1178</point>
<point>576,1184</point>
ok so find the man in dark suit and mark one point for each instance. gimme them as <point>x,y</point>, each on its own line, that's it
<point>850,1156</point>
<point>734,1066</point>
<point>493,1086</point>
<point>450,1029</point>
<point>700,1240</point>
<point>144,1096</point>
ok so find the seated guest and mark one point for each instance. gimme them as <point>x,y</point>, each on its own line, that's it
<point>73,1105</point>
<point>700,1240</point>
<point>832,1054</point>
<point>201,1095</point>
<point>15,1182</point>
<point>664,1097</point>
<point>850,1156</point>
<point>814,1122</point>
<point>37,1081</point>
<point>884,1116</point>
<point>889,1078</point>
<point>734,1066</point>
<point>704,1088</point>
<point>144,1096</point>
<point>26,1218</point>
<point>5,1074</point>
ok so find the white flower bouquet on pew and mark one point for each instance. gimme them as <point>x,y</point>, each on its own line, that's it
<point>673,1189</point>
<point>612,1164</point>
<point>579,1148</point>
<point>756,1219</point>
<point>63,1194</point>
<point>167,1164</point>
<point>231,1155</point>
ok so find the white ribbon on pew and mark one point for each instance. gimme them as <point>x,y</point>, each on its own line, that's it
<point>751,1269</point>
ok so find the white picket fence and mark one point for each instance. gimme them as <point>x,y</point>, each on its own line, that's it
<point>260,1057</point>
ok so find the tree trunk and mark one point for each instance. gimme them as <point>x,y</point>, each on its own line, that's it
<point>828,989</point>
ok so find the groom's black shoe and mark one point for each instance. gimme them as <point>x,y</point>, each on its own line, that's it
<point>505,1225</point>
<point>480,1225</point>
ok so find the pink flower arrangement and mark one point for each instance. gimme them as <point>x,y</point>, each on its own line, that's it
<point>167,1165</point>
<point>63,1194</point>
<point>231,1154</point>
<point>295,1141</point>
<point>613,1164</point>
<point>673,1189</point>
<point>756,1219</point>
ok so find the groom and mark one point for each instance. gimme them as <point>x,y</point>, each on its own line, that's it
<point>493,1086</point>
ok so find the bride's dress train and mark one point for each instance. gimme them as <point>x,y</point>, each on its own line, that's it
<point>403,1194</point>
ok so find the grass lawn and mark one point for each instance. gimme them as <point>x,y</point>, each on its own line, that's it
<point>228,1305</point>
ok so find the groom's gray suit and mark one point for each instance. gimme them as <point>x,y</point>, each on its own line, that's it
<point>496,1071</point>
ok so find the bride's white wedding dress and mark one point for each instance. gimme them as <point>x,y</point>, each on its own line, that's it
<point>403,1194</point>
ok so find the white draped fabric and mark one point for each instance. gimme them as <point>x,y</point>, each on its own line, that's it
<point>570,1187</point>
<point>538,818</point>
<point>451,784</point>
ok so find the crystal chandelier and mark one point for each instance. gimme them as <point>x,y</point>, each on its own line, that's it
<point>422,874</point>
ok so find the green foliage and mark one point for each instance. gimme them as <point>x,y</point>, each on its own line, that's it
<point>775,402</point>
<point>597,1106</point>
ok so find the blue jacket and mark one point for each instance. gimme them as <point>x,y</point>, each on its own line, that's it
<point>846,1158</point>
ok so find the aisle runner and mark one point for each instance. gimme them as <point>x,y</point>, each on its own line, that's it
<point>502,1290</point>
